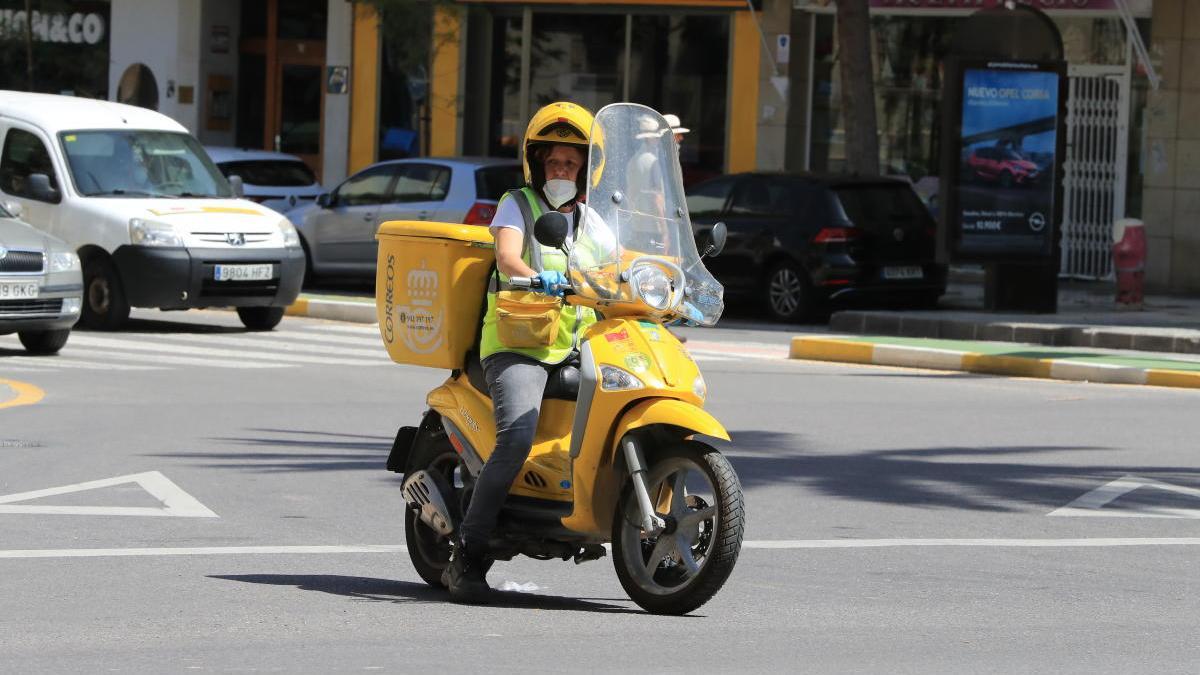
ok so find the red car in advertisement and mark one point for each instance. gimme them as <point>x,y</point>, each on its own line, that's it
<point>1003,165</point>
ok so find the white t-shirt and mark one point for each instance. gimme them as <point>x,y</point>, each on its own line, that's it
<point>508,215</point>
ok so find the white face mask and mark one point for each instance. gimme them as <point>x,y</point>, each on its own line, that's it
<point>559,191</point>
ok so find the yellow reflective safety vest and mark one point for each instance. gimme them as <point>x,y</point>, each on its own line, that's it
<point>572,320</point>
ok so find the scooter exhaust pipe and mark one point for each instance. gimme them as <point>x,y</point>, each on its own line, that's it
<point>424,495</point>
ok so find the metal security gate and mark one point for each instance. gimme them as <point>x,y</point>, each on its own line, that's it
<point>1094,168</point>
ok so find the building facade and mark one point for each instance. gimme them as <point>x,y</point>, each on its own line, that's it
<point>760,89</point>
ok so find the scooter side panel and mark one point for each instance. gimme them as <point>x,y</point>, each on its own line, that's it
<point>546,474</point>
<point>648,351</point>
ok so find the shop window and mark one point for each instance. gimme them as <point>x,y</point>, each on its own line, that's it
<point>674,63</point>
<point>24,155</point>
<point>576,58</point>
<point>138,87</point>
<point>678,65</point>
<point>302,19</point>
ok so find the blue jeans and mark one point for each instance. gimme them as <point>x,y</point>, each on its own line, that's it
<point>517,384</point>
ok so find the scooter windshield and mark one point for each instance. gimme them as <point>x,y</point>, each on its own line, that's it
<point>637,221</point>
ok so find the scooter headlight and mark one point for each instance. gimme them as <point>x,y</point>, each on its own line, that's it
<point>653,285</point>
<point>613,378</point>
<point>699,388</point>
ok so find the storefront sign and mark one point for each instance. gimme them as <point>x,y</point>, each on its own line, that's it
<point>1008,160</point>
<point>60,28</point>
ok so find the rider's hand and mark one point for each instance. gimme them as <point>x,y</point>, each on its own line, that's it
<point>551,280</point>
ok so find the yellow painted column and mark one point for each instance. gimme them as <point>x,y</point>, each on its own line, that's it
<point>364,88</point>
<point>444,97</point>
<point>742,138</point>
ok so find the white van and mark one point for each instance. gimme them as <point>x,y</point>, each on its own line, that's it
<point>152,219</point>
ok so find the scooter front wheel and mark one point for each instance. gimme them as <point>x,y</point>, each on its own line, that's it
<point>696,491</point>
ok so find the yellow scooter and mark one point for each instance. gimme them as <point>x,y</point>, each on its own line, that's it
<point>618,455</point>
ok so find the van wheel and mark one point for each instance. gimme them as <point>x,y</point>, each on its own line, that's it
<point>260,318</point>
<point>788,293</point>
<point>44,341</point>
<point>104,303</point>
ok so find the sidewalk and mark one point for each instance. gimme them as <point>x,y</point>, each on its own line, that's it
<point>1087,317</point>
<point>999,358</point>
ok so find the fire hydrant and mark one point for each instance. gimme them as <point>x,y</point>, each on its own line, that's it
<point>1129,261</point>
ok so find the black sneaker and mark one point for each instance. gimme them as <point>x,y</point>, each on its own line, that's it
<point>465,576</point>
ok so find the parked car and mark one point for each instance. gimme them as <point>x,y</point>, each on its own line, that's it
<point>276,180</point>
<point>339,230</point>
<point>798,241</point>
<point>153,220</point>
<point>41,285</point>
<point>1003,165</point>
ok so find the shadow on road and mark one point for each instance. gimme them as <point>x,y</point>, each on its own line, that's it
<point>970,478</point>
<point>345,452</point>
<point>391,590</point>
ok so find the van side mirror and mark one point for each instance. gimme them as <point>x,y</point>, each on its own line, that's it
<point>239,188</point>
<point>39,188</point>
<point>324,200</point>
<point>712,242</point>
<point>551,230</point>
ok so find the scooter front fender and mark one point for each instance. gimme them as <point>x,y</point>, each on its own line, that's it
<point>669,412</point>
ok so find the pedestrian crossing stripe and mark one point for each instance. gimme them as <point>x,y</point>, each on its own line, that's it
<point>298,343</point>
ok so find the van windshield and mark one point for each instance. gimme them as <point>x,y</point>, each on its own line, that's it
<point>141,164</point>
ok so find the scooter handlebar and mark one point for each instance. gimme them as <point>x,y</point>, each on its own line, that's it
<point>533,284</point>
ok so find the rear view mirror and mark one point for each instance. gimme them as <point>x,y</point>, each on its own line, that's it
<point>712,242</point>
<point>551,230</point>
<point>324,200</point>
<point>39,188</point>
<point>239,189</point>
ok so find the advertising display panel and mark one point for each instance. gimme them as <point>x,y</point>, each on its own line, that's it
<point>1005,202</point>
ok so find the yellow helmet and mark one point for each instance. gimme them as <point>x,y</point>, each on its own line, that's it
<point>560,123</point>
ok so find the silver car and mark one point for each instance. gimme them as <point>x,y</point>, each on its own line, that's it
<point>338,231</point>
<point>41,284</point>
<point>276,180</point>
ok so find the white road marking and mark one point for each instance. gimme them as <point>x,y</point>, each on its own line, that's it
<point>68,361</point>
<point>176,502</point>
<point>289,347</point>
<point>791,544</point>
<point>222,354</point>
<point>371,329</point>
<point>1092,504</point>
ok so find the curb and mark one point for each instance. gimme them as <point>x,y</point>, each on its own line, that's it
<point>927,325</point>
<point>845,351</point>
<point>333,310</point>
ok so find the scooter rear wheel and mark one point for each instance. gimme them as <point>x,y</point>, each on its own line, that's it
<point>429,551</point>
<point>697,492</point>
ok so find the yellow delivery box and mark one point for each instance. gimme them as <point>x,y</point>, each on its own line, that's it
<point>430,286</point>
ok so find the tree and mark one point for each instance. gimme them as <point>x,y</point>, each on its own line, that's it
<point>858,86</point>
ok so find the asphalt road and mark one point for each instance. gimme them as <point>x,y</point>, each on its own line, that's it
<point>898,520</point>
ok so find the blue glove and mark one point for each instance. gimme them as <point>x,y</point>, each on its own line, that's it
<point>551,280</point>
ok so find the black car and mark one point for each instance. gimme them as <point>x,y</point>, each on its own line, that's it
<point>798,241</point>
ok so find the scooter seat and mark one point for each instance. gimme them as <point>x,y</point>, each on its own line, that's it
<point>563,383</point>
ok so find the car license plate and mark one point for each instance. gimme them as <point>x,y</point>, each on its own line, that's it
<point>906,272</point>
<point>19,291</point>
<point>243,272</point>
